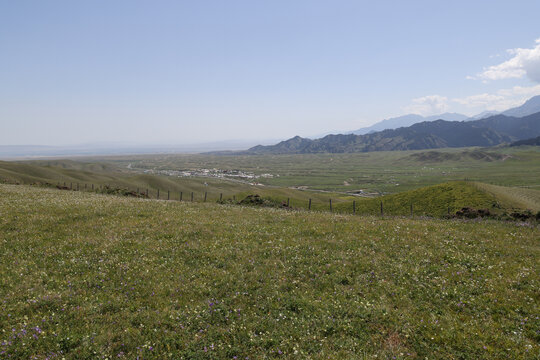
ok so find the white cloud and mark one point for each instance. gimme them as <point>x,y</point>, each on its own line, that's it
<point>524,62</point>
<point>500,100</point>
<point>526,91</point>
<point>428,105</point>
<point>489,101</point>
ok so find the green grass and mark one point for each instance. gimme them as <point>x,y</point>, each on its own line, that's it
<point>87,276</point>
<point>435,200</point>
<point>513,197</point>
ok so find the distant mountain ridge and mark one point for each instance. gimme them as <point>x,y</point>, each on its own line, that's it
<point>531,142</point>
<point>490,131</point>
<point>530,107</point>
<point>483,115</point>
<point>406,120</point>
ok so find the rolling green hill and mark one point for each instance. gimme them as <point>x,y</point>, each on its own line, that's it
<point>435,200</point>
<point>513,197</point>
<point>87,276</point>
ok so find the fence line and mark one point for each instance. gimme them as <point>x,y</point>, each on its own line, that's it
<point>341,208</point>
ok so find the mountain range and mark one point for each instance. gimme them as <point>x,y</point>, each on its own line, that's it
<point>531,142</point>
<point>490,131</point>
<point>407,120</point>
<point>530,107</point>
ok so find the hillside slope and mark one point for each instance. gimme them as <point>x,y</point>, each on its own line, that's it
<point>517,128</point>
<point>436,200</point>
<point>92,276</point>
<point>513,197</point>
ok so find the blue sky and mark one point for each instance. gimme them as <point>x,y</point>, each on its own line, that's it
<point>180,72</point>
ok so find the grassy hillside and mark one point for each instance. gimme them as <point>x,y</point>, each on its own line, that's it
<point>513,197</point>
<point>87,276</point>
<point>434,200</point>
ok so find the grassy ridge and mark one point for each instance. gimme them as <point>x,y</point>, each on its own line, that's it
<point>87,276</point>
<point>513,197</point>
<point>434,200</point>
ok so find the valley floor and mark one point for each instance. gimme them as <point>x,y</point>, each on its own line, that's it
<point>87,276</point>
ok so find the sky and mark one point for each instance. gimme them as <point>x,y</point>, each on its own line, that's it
<point>184,72</point>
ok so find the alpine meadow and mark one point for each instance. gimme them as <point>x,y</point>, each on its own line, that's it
<point>269,180</point>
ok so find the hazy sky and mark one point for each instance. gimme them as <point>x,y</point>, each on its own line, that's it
<point>181,72</point>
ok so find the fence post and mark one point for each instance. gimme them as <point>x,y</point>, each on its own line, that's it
<point>85,186</point>
<point>168,194</point>
<point>205,193</point>
<point>70,186</point>
<point>288,202</point>
<point>146,192</point>
<point>330,205</point>
<point>181,196</point>
<point>354,207</point>
<point>158,193</point>
<point>92,187</point>
<point>192,196</point>
<point>382,211</point>
<point>220,196</point>
<point>234,197</point>
<point>309,204</point>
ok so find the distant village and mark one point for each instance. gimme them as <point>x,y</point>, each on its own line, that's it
<point>213,173</point>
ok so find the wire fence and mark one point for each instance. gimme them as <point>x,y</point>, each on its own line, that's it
<point>383,207</point>
<point>364,206</point>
